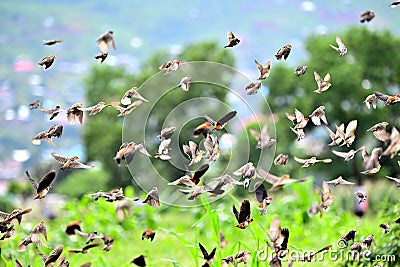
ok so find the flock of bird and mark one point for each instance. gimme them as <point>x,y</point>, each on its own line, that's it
<point>342,135</point>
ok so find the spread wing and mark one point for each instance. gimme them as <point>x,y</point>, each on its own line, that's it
<point>35,185</point>
<point>59,158</point>
<point>227,117</point>
<point>46,181</point>
<point>244,211</point>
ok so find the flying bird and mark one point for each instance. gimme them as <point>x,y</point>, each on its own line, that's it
<point>262,197</point>
<point>166,133</point>
<point>344,240</point>
<point>264,70</point>
<point>53,256</point>
<point>7,218</point>
<point>371,162</point>
<point>105,41</point>
<point>248,172</point>
<point>192,177</point>
<point>35,104</point>
<point>127,152</point>
<point>347,136</point>
<point>278,182</point>
<point>325,194</point>
<point>126,99</point>
<point>385,227</point>
<point>211,145</point>
<point>75,113</point>
<point>371,100</point>
<point>243,217</point>
<point>44,185</point>
<point>263,138</point>
<point>52,112</point>
<point>252,88</point>
<point>388,99</point>
<point>193,152</point>
<point>34,236</point>
<point>395,4</point>
<point>68,163</point>
<point>185,83</point>
<point>318,115</point>
<point>341,49</point>
<point>379,131</point>
<point>163,150</point>
<point>208,257</point>
<point>283,52</point>
<point>85,249</point>
<point>125,111</point>
<point>52,42</point>
<point>311,161</point>
<point>394,144</point>
<point>339,181</point>
<point>232,40</point>
<point>95,109</point>
<point>349,155</point>
<point>281,159</point>
<point>368,241</point>
<point>152,198</point>
<point>149,234</point>
<point>300,70</point>
<point>139,261</point>
<point>367,16</point>
<point>169,66</point>
<point>47,61</point>
<point>323,84</point>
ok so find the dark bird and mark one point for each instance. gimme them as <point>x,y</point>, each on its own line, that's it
<point>68,163</point>
<point>75,113</point>
<point>105,40</point>
<point>152,198</point>
<point>264,70</point>
<point>344,240</point>
<point>34,237</point>
<point>47,61</point>
<point>72,226</point>
<point>262,197</point>
<point>127,152</point>
<point>281,159</point>
<point>252,88</point>
<point>139,261</point>
<point>243,217</point>
<point>44,185</point>
<point>85,249</point>
<point>100,57</point>
<point>220,124</point>
<point>193,177</point>
<point>35,104</point>
<point>53,256</point>
<point>300,70</point>
<point>283,52</point>
<point>149,234</point>
<point>367,16</point>
<point>395,4</point>
<point>368,241</point>
<point>209,258</point>
<point>388,99</point>
<point>52,112</point>
<point>385,227</point>
<point>52,42</point>
<point>232,40</point>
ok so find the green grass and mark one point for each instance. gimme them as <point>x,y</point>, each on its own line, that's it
<point>179,230</point>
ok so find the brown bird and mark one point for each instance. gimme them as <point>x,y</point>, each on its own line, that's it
<point>226,179</point>
<point>368,241</point>
<point>278,182</point>
<point>196,191</point>
<point>7,218</point>
<point>339,181</point>
<point>344,240</point>
<point>243,217</point>
<point>132,93</point>
<point>367,16</point>
<point>47,61</point>
<point>208,257</point>
<point>232,40</point>
<point>361,197</point>
<point>139,261</point>
<point>44,185</point>
<point>34,237</point>
<point>347,136</point>
<point>281,159</point>
<point>323,84</point>
<point>89,237</point>
<point>152,198</point>
<point>149,234</point>
<point>85,249</point>
<point>283,52</point>
<point>263,138</point>
<point>385,227</point>
<point>108,243</point>
<point>52,42</point>
<point>54,131</point>
<point>95,109</point>
<point>100,57</point>
<point>75,113</point>
<point>300,70</point>
<point>193,152</point>
<point>264,70</point>
<point>7,231</point>
<point>166,133</point>
<point>105,40</point>
<point>311,161</point>
<point>394,144</point>
<point>371,100</point>
<point>388,99</point>
<point>185,83</point>
<point>262,197</point>
<point>396,180</point>
<point>53,256</point>
<point>253,88</point>
<point>379,131</point>
<point>127,152</point>
<point>349,155</point>
<point>326,195</point>
<point>341,49</point>
<point>35,104</point>
<point>52,112</point>
<point>114,195</point>
<point>371,162</point>
<point>211,145</point>
<point>170,66</point>
<point>163,150</point>
<point>318,115</point>
<point>125,111</point>
<point>72,226</point>
<point>68,163</point>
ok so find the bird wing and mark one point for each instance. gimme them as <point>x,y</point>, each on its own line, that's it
<point>59,158</point>
<point>244,211</point>
<point>259,66</point>
<point>227,117</point>
<point>46,181</point>
<point>33,182</point>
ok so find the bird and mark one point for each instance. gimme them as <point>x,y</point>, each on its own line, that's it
<point>196,191</point>
<point>318,115</point>
<point>283,52</point>
<point>394,4</point>
<point>232,40</point>
<point>252,88</point>
<point>344,240</point>
<point>105,41</point>
<point>367,16</point>
<point>248,172</point>
<point>53,256</point>
<point>242,257</point>
<point>101,57</point>
<point>341,49</point>
<point>385,227</point>
<point>394,143</point>
<point>336,137</point>
<point>325,194</point>
<point>193,152</point>
<point>208,257</point>
<point>371,162</point>
<point>263,138</point>
<point>388,99</point>
<point>34,236</point>
<point>361,197</point>
<point>379,131</point>
<point>281,159</point>
<point>166,133</point>
<point>396,180</point>
<point>170,66</point>
<point>114,195</point>
<point>226,179</point>
<point>163,150</point>
<point>349,155</point>
<point>16,214</point>
<point>220,124</point>
<point>52,112</point>
<point>243,217</point>
<point>368,241</point>
<point>126,99</point>
<point>339,181</point>
<point>278,182</point>
<point>190,177</point>
<point>323,84</point>
<point>44,185</point>
<point>72,226</point>
<point>55,130</point>
<point>125,111</point>
<point>127,152</point>
<point>35,104</point>
<point>89,237</point>
<point>371,100</point>
<point>52,42</point>
<point>95,109</point>
<point>211,145</point>
<point>300,70</point>
<point>123,210</point>
<point>75,113</point>
<point>262,197</point>
<point>264,70</point>
<point>299,121</point>
<point>185,83</point>
<point>47,61</point>
<point>68,163</point>
<point>152,198</point>
<point>311,161</point>
<point>149,234</point>
<point>279,238</point>
<point>139,261</point>
<point>347,136</point>
<point>85,249</point>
